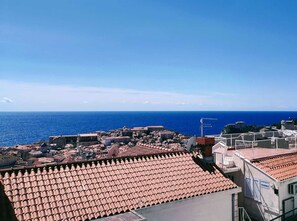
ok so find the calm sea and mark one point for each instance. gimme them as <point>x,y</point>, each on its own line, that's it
<point>29,127</point>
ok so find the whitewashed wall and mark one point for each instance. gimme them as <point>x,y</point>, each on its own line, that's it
<point>269,204</point>
<point>210,207</point>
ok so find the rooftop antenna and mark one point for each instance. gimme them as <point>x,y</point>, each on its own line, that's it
<point>203,125</point>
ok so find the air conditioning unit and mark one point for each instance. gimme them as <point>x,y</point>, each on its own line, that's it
<point>292,188</point>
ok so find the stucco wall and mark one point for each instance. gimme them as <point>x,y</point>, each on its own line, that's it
<point>210,207</point>
<point>268,206</point>
<point>284,193</point>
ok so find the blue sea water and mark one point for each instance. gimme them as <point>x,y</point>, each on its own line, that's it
<point>29,127</point>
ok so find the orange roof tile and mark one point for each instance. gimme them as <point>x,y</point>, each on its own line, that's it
<point>143,149</point>
<point>280,167</point>
<point>110,186</point>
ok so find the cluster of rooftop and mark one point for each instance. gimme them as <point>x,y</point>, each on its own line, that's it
<point>101,144</point>
<point>154,174</point>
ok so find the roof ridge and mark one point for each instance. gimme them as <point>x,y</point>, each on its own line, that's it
<point>89,162</point>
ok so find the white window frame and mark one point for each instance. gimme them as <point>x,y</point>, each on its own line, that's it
<point>257,195</point>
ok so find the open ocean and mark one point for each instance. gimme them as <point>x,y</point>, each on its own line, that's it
<point>29,127</point>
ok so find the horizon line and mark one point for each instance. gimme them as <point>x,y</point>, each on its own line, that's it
<point>19,111</point>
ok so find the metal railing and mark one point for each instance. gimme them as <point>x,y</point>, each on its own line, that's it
<point>287,216</point>
<point>243,215</point>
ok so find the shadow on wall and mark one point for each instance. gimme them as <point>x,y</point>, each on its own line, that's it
<point>204,165</point>
<point>6,209</point>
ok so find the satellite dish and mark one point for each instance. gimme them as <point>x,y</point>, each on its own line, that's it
<point>191,142</point>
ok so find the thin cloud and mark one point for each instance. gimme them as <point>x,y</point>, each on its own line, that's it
<point>6,100</point>
<point>65,97</point>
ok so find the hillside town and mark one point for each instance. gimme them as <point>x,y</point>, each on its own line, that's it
<point>134,173</point>
<point>129,110</point>
<point>97,145</point>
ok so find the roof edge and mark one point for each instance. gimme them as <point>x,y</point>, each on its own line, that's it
<point>274,156</point>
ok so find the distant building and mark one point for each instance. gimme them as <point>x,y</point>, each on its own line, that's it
<point>109,140</point>
<point>165,135</point>
<point>287,125</point>
<point>165,186</point>
<point>127,132</point>
<point>61,141</point>
<point>154,128</point>
<point>102,133</point>
<point>87,138</point>
<point>139,129</point>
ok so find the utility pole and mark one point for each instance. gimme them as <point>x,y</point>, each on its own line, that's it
<point>203,125</point>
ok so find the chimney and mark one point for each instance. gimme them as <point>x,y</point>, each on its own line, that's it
<point>205,144</point>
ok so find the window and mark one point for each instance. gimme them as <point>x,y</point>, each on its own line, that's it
<point>253,188</point>
<point>256,190</point>
<point>248,187</point>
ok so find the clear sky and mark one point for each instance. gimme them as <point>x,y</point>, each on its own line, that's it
<point>148,55</point>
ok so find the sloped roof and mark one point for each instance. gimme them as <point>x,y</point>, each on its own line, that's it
<point>280,167</point>
<point>143,149</point>
<point>87,190</point>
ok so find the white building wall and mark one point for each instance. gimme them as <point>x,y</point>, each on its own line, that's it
<point>267,206</point>
<point>284,192</point>
<point>210,207</point>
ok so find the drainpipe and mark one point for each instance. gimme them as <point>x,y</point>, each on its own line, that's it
<point>233,206</point>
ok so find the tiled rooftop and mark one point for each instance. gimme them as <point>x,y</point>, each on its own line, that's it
<point>281,167</point>
<point>143,149</point>
<point>89,190</point>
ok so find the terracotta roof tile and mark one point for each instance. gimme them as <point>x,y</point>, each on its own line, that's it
<point>143,149</point>
<point>280,167</point>
<point>95,189</point>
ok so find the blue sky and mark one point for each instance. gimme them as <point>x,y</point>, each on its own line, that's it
<point>148,55</point>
